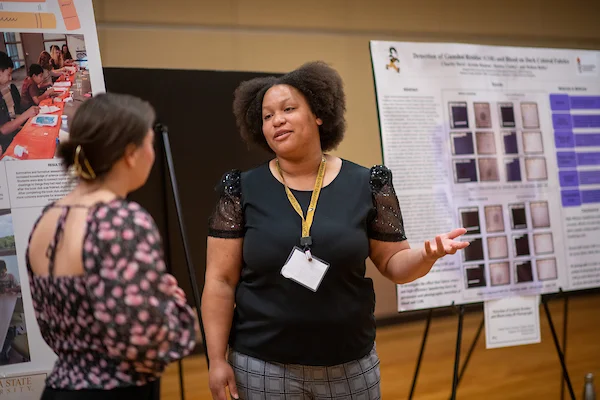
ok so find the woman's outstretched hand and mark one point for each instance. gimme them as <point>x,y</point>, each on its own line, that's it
<point>444,244</point>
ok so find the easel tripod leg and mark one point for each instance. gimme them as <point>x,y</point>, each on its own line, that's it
<point>170,170</point>
<point>169,176</point>
<point>564,345</point>
<point>167,247</point>
<point>461,312</point>
<point>559,351</point>
<point>423,341</point>
<point>181,385</point>
<point>471,349</point>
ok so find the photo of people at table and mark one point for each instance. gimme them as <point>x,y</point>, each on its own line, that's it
<point>43,80</point>
<point>14,345</point>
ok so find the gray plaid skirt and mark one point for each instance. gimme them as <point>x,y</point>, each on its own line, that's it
<point>260,380</point>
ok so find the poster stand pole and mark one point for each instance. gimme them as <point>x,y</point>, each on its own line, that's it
<point>471,349</point>
<point>461,314</point>
<point>560,353</point>
<point>163,132</point>
<point>564,344</point>
<point>423,341</point>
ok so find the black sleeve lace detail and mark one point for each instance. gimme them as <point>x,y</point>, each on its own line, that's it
<point>227,220</point>
<point>386,223</point>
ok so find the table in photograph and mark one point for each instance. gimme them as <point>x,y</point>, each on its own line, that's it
<point>40,141</point>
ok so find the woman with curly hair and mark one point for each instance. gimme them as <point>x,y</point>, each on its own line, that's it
<point>285,285</point>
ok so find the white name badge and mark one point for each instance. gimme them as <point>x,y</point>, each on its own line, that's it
<point>307,273</point>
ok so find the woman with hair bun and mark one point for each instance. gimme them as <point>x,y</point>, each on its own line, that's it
<point>102,298</point>
<point>287,309</point>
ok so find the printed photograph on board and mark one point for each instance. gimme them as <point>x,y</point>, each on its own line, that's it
<point>13,329</point>
<point>44,78</point>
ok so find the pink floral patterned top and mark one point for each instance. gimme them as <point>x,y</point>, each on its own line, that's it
<point>125,319</point>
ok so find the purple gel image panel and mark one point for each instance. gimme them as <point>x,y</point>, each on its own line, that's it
<point>559,102</point>
<point>510,143</point>
<point>562,121</point>
<point>564,139</point>
<point>588,158</point>
<point>466,171</point>
<point>568,178</point>
<point>566,159</point>
<point>585,102</point>
<point>589,177</point>
<point>586,121</point>
<point>463,144</point>
<point>587,139</point>
<point>570,198</point>
<point>590,196</point>
<point>513,171</point>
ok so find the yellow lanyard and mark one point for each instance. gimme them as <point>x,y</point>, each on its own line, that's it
<point>306,240</point>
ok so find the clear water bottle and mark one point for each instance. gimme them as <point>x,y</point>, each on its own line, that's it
<point>78,84</point>
<point>589,393</point>
<point>64,125</point>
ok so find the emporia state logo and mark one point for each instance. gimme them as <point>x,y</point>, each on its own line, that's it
<point>393,60</point>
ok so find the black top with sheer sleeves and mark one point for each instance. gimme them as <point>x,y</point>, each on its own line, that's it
<point>278,320</point>
<point>227,220</point>
<point>387,224</point>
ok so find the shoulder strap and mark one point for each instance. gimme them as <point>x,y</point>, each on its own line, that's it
<point>35,225</point>
<point>51,251</point>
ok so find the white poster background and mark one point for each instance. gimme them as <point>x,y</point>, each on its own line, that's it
<point>469,134</point>
<point>26,211</point>
<point>4,192</point>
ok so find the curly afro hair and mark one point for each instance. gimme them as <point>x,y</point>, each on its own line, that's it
<point>323,89</point>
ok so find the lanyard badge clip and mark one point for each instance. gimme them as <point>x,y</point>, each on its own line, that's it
<point>306,242</point>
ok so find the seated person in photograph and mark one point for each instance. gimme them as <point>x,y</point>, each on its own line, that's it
<point>11,119</point>
<point>57,60</point>
<point>50,73</point>
<point>31,94</point>
<point>66,55</point>
<point>10,94</point>
<point>8,283</point>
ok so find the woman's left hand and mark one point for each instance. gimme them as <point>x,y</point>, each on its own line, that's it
<point>444,244</point>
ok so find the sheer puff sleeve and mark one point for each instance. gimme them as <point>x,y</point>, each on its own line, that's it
<point>139,307</point>
<point>386,219</point>
<point>227,219</point>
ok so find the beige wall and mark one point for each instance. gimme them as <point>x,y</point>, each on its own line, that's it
<point>277,36</point>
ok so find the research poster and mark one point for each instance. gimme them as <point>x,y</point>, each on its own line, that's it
<point>505,142</point>
<point>59,38</point>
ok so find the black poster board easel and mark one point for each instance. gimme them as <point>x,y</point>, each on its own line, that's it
<point>162,133</point>
<point>457,376</point>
